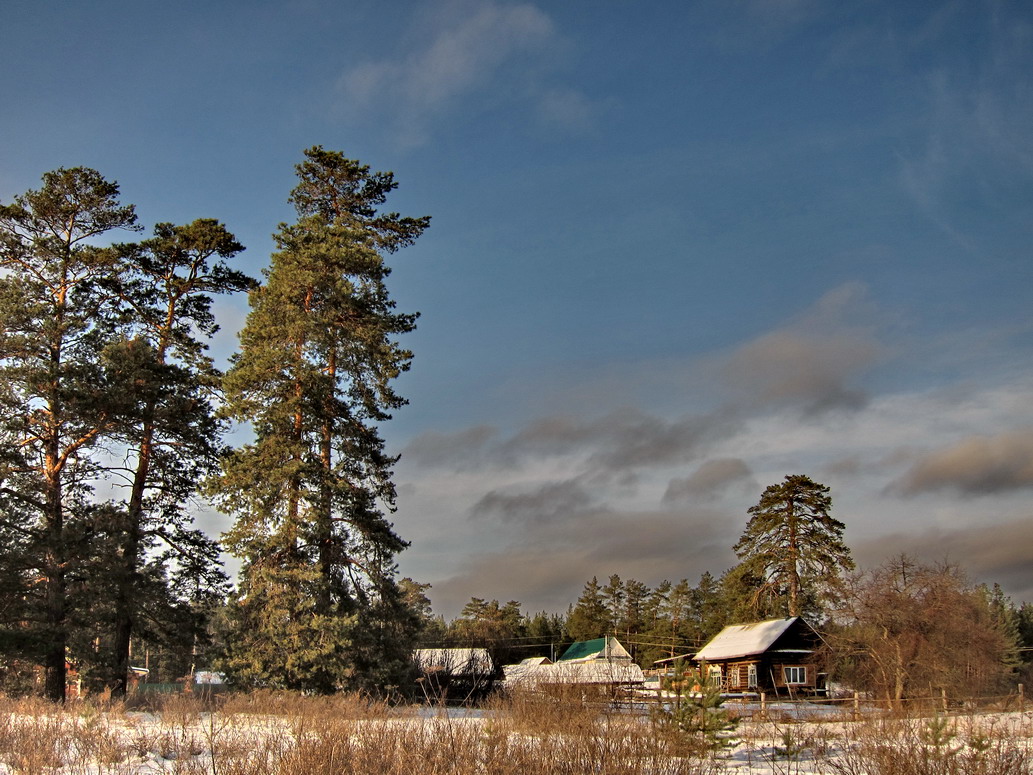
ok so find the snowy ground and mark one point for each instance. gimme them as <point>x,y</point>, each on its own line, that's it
<point>802,741</point>
<point>817,740</point>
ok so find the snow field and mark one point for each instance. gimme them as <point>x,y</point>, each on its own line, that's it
<point>291,736</point>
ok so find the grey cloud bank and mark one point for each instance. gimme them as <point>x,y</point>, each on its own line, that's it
<point>981,465</point>
<point>547,506</point>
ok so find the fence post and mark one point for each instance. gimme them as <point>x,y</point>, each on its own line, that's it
<point>763,703</point>
<point>943,699</point>
<point>857,706</point>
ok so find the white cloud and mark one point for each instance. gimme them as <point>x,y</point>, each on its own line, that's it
<point>489,50</point>
<point>544,525</point>
<point>978,465</point>
<point>976,142</point>
<point>567,109</point>
<point>710,480</point>
<point>546,568</point>
<point>462,54</point>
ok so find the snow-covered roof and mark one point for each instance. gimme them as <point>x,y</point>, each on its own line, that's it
<point>675,658</point>
<point>454,661</point>
<point>606,673</point>
<point>744,640</point>
<point>515,674</point>
<point>533,661</point>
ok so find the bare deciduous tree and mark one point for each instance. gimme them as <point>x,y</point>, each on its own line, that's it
<point>910,628</point>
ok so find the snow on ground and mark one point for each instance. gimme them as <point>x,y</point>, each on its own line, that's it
<point>794,740</point>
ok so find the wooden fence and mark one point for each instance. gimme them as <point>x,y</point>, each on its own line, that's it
<point>855,706</point>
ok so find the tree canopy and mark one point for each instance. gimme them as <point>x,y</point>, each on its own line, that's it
<point>910,626</point>
<point>107,422</point>
<point>112,416</point>
<point>794,546</point>
<point>313,377</point>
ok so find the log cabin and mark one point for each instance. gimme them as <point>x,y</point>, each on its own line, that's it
<point>779,656</point>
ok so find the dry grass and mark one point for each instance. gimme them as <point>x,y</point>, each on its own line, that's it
<point>283,734</point>
<point>967,745</point>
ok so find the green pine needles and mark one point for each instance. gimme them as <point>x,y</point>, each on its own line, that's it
<point>792,551</point>
<point>318,607</point>
<point>698,710</point>
<point>107,428</point>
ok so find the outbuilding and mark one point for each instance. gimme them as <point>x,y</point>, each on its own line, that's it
<point>603,663</point>
<point>466,673</point>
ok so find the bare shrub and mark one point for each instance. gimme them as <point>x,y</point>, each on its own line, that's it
<point>562,710</point>
<point>908,746</point>
<point>523,734</point>
<point>179,709</point>
<point>915,627</point>
<point>266,702</point>
<point>31,744</point>
<point>91,739</point>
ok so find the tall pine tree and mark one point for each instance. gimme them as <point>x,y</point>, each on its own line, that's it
<point>172,440</point>
<point>314,380</point>
<point>590,618</point>
<point>105,391</point>
<point>63,383</point>
<point>793,546</point>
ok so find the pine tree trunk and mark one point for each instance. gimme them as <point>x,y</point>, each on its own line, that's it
<point>293,517</point>
<point>54,654</point>
<point>130,562</point>
<point>324,528</point>
<point>794,575</point>
<point>55,559</point>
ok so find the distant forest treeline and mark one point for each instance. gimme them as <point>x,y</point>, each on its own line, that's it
<point>970,639</point>
<point>897,630</point>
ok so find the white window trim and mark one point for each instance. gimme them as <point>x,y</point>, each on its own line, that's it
<point>803,672</point>
<point>714,675</point>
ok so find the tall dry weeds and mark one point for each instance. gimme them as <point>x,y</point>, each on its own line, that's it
<point>526,734</point>
<point>933,746</point>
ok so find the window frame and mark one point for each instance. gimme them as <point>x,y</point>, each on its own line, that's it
<point>793,669</point>
<point>715,675</point>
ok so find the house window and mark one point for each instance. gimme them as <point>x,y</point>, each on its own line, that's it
<point>714,675</point>
<point>795,675</point>
<point>733,676</point>
<point>751,677</point>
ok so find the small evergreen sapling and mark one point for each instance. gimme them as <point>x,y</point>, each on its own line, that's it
<point>698,709</point>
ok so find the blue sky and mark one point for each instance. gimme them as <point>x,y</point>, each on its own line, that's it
<point>678,251</point>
